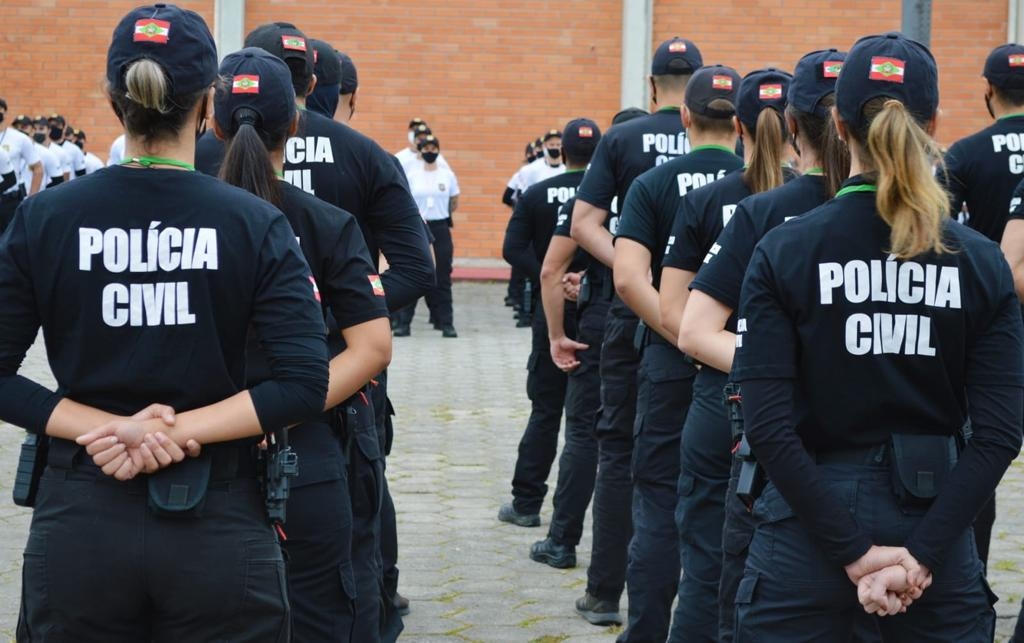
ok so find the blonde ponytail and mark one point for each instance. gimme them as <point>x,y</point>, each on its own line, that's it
<point>147,85</point>
<point>909,198</point>
<point>765,170</point>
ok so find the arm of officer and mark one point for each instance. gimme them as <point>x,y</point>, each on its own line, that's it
<point>588,230</point>
<point>397,230</point>
<point>1013,249</point>
<point>702,333</point>
<point>632,269</point>
<point>995,396</point>
<point>556,263</point>
<point>672,298</point>
<point>516,248</point>
<point>37,176</point>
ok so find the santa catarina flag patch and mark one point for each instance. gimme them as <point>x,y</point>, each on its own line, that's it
<point>721,82</point>
<point>888,69</point>
<point>770,92</point>
<point>831,68</point>
<point>375,283</point>
<point>152,30</point>
<point>295,43</point>
<point>245,84</point>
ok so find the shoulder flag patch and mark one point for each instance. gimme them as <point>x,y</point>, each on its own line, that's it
<point>1016,60</point>
<point>721,82</point>
<point>316,290</point>
<point>888,69</point>
<point>586,132</point>
<point>770,92</point>
<point>375,283</point>
<point>245,84</point>
<point>831,68</point>
<point>152,30</point>
<point>295,43</point>
<point>677,46</point>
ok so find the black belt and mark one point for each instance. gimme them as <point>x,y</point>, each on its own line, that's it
<point>16,196</point>
<point>230,461</point>
<point>874,456</point>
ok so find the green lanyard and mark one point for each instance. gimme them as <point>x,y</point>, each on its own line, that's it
<point>150,161</point>
<point>712,147</point>
<point>279,175</point>
<point>1015,115</point>
<point>815,171</point>
<point>669,108</point>
<point>850,189</point>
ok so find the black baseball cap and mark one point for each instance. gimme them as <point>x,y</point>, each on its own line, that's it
<point>349,75</point>
<point>416,121</point>
<point>760,89</point>
<point>709,84</point>
<point>57,118</point>
<point>628,114</point>
<point>22,119</point>
<point>550,134</point>
<point>676,56</point>
<point>421,130</point>
<point>176,39</point>
<point>284,40</point>
<point>1004,67</point>
<point>326,64</point>
<point>257,80</point>
<point>429,140</point>
<point>815,78</point>
<point>889,65</point>
<point>580,137</point>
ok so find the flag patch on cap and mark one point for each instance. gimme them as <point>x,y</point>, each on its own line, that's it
<point>888,69</point>
<point>152,30</point>
<point>245,84</point>
<point>721,82</point>
<point>375,283</point>
<point>677,46</point>
<point>586,132</point>
<point>1016,60</point>
<point>831,68</point>
<point>295,43</point>
<point>316,291</point>
<point>770,92</point>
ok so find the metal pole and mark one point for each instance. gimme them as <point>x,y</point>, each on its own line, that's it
<point>637,26</point>
<point>917,20</point>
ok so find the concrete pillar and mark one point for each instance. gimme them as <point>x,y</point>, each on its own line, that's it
<point>637,32</point>
<point>917,20</point>
<point>228,26</point>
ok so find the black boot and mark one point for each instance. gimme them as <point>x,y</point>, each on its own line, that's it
<point>553,553</point>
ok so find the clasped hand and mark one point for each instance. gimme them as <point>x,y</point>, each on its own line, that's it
<point>128,446</point>
<point>888,580</point>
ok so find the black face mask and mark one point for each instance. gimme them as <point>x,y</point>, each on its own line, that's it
<point>39,137</point>
<point>80,145</point>
<point>554,152</point>
<point>2,117</point>
<point>56,133</point>
<point>430,157</point>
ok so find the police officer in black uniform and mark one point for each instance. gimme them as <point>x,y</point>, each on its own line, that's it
<point>707,329</point>
<point>592,290</point>
<point>869,330</point>
<point>345,168</point>
<point>327,67</point>
<point>626,152</point>
<point>349,87</point>
<point>526,242</point>
<point>665,378</point>
<point>256,112</point>
<point>167,271</point>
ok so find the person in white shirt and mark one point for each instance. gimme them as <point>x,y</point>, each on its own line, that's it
<point>116,151</point>
<point>8,177</point>
<point>410,156</point>
<point>42,126</point>
<point>22,154</point>
<point>436,192</point>
<point>75,154</point>
<point>53,173</point>
<point>548,166</point>
<point>514,188</point>
<point>92,162</point>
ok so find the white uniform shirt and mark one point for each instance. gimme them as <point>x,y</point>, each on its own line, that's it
<point>116,151</point>
<point>21,150</point>
<point>5,164</point>
<point>408,158</point>
<point>538,171</point>
<point>92,163</point>
<point>51,165</point>
<point>63,156</point>
<point>76,156</point>
<point>432,191</point>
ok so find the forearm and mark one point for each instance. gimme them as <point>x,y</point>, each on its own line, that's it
<point>588,230</point>
<point>367,352</point>
<point>672,299</point>
<point>636,291</point>
<point>71,419</point>
<point>37,180</point>
<point>553,300</point>
<point>714,348</point>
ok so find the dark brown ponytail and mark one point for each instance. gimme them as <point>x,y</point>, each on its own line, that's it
<point>821,134</point>
<point>247,159</point>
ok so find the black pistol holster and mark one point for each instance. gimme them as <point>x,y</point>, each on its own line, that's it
<point>920,466</point>
<point>752,478</point>
<point>277,465</point>
<point>31,462</point>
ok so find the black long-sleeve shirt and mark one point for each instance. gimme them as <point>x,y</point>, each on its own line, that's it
<point>840,345</point>
<point>145,283</point>
<point>533,222</point>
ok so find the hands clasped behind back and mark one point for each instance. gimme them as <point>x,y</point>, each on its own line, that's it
<point>888,580</point>
<point>128,446</point>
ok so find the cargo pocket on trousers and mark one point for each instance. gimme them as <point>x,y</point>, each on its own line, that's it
<point>737,536</point>
<point>531,367</point>
<point>684,491</point>
<point>744,599</point>
<point>34,599</point>
<point>345,625</point>
<point>266,593</point>
<point>365,481</point>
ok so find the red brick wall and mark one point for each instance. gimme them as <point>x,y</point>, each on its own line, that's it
<point>489,75</point>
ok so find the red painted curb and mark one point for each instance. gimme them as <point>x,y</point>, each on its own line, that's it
<point>480,274</point>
